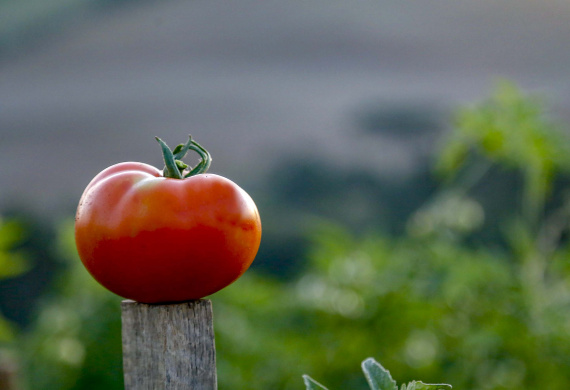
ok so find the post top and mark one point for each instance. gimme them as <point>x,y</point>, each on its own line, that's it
<point>130,302</point>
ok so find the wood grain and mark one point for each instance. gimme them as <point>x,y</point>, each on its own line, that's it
<point>168,346</point>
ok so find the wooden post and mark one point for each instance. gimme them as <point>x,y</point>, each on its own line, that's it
<point>169,346</point>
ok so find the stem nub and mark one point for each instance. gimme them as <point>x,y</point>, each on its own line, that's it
<point>175,168</point>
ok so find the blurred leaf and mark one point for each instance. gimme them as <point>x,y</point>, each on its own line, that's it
<point>511,129</point>
<point>12,264</point>
<point>11,233</point>
<point>7,331</point>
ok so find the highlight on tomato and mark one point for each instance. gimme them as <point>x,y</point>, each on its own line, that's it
<point>168,235</point>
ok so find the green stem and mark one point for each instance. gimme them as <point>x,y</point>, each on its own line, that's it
<point>204,164</point>
<point>181,150</point>
<point>174,167</point>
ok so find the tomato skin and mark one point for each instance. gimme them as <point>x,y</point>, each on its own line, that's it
<point>155,239</point>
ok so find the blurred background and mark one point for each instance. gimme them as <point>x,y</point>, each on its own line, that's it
<point>409,161</point>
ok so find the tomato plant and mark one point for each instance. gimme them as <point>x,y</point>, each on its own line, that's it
<point>166,236</point>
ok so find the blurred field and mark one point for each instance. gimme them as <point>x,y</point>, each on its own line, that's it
<point>85,84</point>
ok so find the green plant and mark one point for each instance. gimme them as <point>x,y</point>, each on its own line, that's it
<point>379,378</point>
<point>74,341</point>
<point>446,299</point>
<point>13,263</point>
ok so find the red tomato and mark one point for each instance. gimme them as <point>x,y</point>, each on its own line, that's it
<point>158,239</point>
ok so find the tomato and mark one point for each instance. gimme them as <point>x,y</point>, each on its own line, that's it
<point>158,236</point>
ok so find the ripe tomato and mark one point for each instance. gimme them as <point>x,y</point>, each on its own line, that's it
<point>155,239</point>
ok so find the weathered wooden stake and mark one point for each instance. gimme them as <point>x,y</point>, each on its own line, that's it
<point>169,346</point>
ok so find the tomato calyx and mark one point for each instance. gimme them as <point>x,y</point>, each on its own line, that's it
<point>175,168</point>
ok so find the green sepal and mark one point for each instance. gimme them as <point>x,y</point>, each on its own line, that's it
<point>177,149</point>
<point>174,167</point>
<point>171,169</point>
<point>181,165</point>
<point>181,150</point>
<point>204,164</point>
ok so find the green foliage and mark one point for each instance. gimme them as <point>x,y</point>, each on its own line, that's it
<point>431,303</point>
<point>430,309</point>
<point>75,340</point>
<point>509,128</point>
<point>13,262</point>
<point>379,378</point>
<point>513,131</point>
